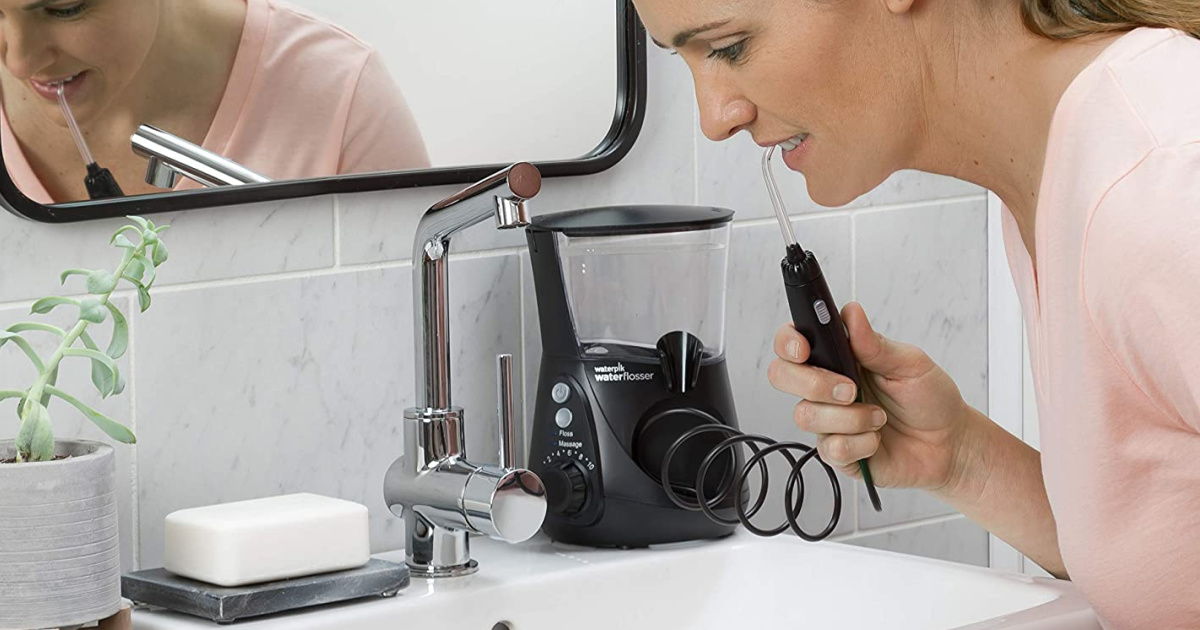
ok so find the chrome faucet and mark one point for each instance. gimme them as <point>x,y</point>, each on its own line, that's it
<point>171,157</point>
<point>442,497</point>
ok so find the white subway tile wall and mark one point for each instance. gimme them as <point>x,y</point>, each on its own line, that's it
<point>278,354</point>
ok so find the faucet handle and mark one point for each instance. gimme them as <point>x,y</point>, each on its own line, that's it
<point>504,503</point>
<point>505,411</point>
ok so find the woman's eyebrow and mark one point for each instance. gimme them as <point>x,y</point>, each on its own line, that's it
<point>684,37</point>
<point>38,5</point>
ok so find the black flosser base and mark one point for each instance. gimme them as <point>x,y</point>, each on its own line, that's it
<point>605,415</point>
<point>602,485</point>
<point>157,587</point>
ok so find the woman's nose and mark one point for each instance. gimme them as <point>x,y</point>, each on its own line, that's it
<point>723,112</point>
<point>24,52</point>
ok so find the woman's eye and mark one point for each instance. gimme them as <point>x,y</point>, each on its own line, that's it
<point>66,12</point>
<point>731,53</point>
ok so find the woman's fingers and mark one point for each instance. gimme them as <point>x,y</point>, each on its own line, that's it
<point>821,418</point>
<point>811,383</point>
<point>879,354</point>
<point>790,345</point>
<point>845,450</point>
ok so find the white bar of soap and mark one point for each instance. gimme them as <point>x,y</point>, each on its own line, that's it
<point>260,540</point>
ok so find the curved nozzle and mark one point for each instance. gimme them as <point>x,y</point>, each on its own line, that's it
<point>785,224</point>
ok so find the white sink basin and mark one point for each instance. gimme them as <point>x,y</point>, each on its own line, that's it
<point>740,582</point>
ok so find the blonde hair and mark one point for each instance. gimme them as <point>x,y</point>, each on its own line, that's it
<point>1068,19</point>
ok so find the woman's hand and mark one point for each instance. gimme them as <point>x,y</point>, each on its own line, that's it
<point>911,425</point>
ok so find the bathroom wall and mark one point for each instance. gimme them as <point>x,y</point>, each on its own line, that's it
<point>277,356</point>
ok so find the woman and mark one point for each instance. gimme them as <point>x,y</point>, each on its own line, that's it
<point>257,81</point>
<point>1081,114</point>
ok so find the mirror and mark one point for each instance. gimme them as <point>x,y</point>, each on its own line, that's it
<point>116,106</point>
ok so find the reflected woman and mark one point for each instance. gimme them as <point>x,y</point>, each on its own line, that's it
<point>261,82</point>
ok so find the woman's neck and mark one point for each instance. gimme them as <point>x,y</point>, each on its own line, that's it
<point>189,63</point>
<point>990,98</point>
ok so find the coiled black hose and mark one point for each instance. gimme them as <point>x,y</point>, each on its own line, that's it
<point>761,448</point>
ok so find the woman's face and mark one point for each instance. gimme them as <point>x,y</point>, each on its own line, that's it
<point>98,46</point>
<point>840,77</point>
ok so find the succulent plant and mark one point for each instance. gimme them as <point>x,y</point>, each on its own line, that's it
<point>143,253</point>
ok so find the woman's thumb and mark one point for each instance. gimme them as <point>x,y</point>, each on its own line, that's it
<point>876,352</point>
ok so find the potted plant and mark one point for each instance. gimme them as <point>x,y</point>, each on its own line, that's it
<point>59,552</point>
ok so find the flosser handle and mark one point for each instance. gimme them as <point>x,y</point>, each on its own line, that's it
<point>816,316</point>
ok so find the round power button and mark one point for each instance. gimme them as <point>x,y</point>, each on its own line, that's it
<point>560,393</point>
<point>563,418</point>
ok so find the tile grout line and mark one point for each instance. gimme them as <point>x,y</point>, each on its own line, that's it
<point>136,535</point>
<point>845,212</point>
<point>899,527</point>
<point>337,232</point>
<point>695,153</point>
<point>287,275</point>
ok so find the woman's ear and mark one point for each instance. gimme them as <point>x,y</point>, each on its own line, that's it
<point>899,7</point>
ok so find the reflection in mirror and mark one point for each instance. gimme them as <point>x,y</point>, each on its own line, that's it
<point>296,90</point>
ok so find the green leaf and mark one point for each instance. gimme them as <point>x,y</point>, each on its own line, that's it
<point>92,311</point>
<point>102,377</point>
<point>120,337</point>
<point>141,223</point>
<point>143,298</point>
<point>101,282</point>
<point>124,243</point>
<point>72,272</point>
<point>143,293</point>
<point>6,337</point>
<point>118,238</point>
<point>150,237</point>
<point>135,268</point>
<point>149,273</point>
<point>5,395</point>
<point>162,228</point>
<point>95,355</point>
<point>114,429</point>
<point>36,438</point>
<point>160,253</point>
<point>24,438</point>
<point>45,305</point>
<point>137,282</point>
<point>27,326</point>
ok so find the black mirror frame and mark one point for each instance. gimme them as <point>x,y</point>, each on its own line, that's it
<point>627,125</point>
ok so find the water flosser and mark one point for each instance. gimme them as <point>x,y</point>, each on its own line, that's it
<point>814,312</point>
<point>100,182</point>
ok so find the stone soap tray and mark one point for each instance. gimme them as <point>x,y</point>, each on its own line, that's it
<point>157,587</point>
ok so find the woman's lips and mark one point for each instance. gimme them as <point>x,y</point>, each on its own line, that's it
<point>49,90</point>
<point>795,158</point>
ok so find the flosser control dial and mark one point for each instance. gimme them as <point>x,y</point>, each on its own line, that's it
<point>566,486</point>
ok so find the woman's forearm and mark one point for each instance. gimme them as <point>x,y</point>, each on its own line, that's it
<point>1000,487</point>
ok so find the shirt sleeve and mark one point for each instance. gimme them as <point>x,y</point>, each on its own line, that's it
<point>1141,268</point>
<point>381,133</point>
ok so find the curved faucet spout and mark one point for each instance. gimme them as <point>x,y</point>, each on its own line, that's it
<point>501,195</point>
<point>443,497</point>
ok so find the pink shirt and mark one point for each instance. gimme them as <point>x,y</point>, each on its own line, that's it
<point>1111,314</point>
<point>304,99</point>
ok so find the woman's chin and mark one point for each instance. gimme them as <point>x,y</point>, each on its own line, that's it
<point>834,192</point>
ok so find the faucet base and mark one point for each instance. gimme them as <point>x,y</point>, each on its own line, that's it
<point>426,571</point>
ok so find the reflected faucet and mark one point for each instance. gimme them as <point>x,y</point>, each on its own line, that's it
<point>171,157</point>
<point>442,497</point>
